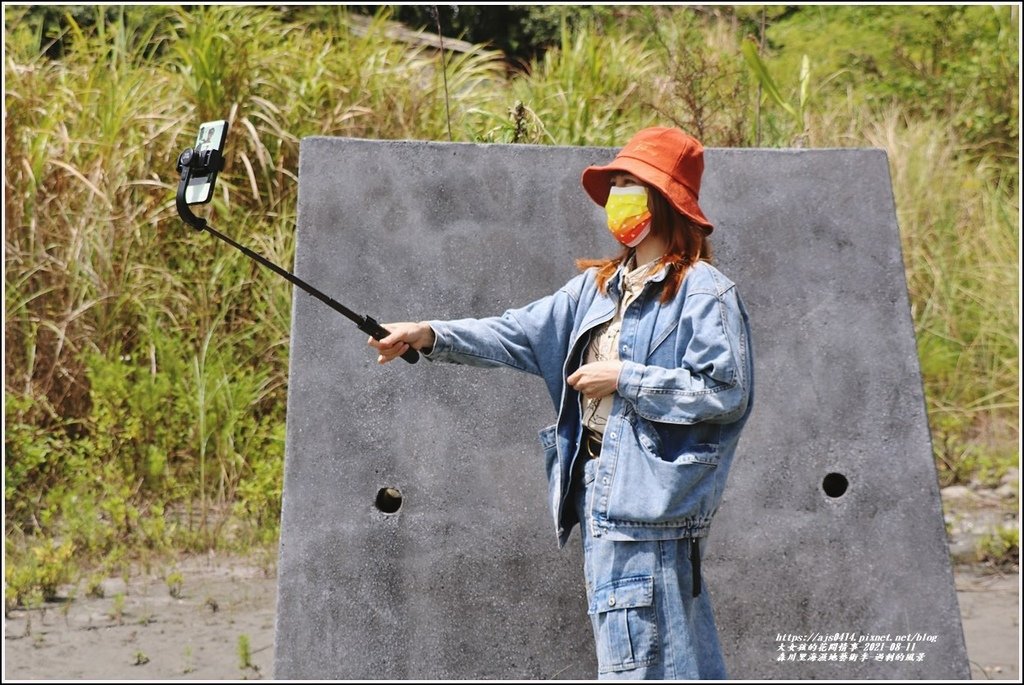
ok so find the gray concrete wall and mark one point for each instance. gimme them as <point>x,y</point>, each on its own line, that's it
<point>465,580</point>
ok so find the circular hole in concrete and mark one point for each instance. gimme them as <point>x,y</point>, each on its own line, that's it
<point>835,484</point>
<point>388,500</point>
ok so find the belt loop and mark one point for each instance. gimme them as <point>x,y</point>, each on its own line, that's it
<point>695,564</point>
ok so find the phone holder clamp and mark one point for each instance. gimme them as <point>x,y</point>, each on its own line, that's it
<point>206,161</point>
<point>200,163</point>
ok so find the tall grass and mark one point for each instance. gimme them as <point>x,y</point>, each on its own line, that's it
<point>146,367</point>
<point>960,221</point>
<point>588,90</point>
<point>959,225</point>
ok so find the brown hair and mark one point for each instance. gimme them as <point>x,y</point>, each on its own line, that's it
<point>687,243</point>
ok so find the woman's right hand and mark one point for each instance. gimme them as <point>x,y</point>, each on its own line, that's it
<point>401,337</point>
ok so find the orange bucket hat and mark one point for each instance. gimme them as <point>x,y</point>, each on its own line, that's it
<point>664,158</point>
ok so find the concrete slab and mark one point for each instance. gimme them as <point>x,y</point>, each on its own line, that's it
<point>463,579</point>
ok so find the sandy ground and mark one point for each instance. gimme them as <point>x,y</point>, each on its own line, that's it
<point>139,631</point>
<point>990,612</point>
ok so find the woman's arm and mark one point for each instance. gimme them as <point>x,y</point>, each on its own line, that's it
<point>712,381</point>
<point>530,338</point>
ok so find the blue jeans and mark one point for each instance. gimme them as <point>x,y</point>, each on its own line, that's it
<point>647,624</point>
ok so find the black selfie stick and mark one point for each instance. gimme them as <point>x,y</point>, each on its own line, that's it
<point>190,162</point>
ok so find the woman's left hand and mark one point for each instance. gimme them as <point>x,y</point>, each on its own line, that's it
<point>597,379</point>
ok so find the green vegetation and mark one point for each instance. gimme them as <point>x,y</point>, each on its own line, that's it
<point>145,370</point>
<point>1000,548</point>
<point>245,653</point>
<point>117,611</point>
<point>175,582</point>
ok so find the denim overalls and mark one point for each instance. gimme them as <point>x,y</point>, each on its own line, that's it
<point>683,395</point>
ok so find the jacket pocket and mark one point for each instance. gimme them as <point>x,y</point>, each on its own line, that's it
<point>698,443</point>
<point>549,443</point>
<point>699,454</point>
<point>677,481</point>
<point>625,624</point>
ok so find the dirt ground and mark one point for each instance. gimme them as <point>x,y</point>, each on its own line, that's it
<point>990,612</point>
<point>139,631</point>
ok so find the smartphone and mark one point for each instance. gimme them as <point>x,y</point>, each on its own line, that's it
<point>200,185</point>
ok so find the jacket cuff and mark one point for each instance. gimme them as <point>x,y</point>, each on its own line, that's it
<point>630,377</point>
<point>442,343</point>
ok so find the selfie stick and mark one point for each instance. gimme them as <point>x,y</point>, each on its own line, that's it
<point>190,161</point>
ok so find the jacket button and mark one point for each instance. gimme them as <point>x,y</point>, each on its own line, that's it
<point>611,601</point>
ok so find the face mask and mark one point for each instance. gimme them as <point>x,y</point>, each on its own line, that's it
<point>629,220</point>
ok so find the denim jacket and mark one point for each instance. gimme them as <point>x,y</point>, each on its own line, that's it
<point>683,395</point>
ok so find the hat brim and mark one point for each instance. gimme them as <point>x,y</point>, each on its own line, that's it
<point>597,182</point>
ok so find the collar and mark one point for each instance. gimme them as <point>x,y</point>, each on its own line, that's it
<point>626,266</point>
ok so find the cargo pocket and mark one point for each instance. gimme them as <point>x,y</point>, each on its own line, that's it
<point>625,624</point>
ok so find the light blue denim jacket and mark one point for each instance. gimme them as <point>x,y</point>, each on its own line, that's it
<point>683,395</point>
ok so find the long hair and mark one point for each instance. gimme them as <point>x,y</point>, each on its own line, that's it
<point>686,245</point>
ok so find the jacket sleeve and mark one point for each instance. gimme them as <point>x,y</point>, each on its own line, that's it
<point>712,381</point>
<point>531,339</point>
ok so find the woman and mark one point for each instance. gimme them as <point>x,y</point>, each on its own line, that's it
<point>647,357</point>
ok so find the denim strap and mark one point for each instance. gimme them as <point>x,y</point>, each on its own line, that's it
<point>695,564</point>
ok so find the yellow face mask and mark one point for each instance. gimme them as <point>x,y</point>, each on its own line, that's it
<point>629,220</point>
